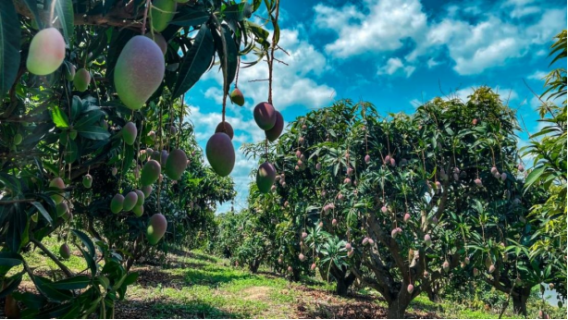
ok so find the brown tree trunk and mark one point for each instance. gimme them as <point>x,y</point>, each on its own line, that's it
<point>397,308</point>
<point>520,301</point>
<point>343,282</point>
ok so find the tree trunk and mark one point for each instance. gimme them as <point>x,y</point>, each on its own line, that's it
<point>396,309</point>
<point>520,301</point>
<point>344,283</point>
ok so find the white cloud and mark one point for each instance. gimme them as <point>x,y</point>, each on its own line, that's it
<point>432,63</point>
<point>520,8</point>
<point>393,65</point>
<point>475,38</point>
<point>538,75</point>
<point>387,23</point>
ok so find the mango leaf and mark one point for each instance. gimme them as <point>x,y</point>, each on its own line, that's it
<point>45,287</point>
<point>43,212</point>
<point>86,241</point>
<point>533,177</point>
<point>9,45</point>
<point>64,14</point>
<point>237,11</point>
<point>192,18</point>
<point>71,152</point>
<point>131,278</point>
<point>30,300</point>
<point>231,51</point>
<point>196,61</point>
<point>10,259</point>
<point>78,282</point>
<point>59,118</point>
<point>93,132</point>
<point>32,6</point>
<point>11,284</point>
<point>88,119</point>
<point>17,223</point>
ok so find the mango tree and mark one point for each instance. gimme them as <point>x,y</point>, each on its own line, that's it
<point>92,125</point>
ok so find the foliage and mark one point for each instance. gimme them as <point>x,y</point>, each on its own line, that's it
<point>50,130</point>
<point>336,172</point>
<point>548,148</point>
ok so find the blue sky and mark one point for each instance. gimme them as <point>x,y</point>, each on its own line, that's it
<point>393,53</point>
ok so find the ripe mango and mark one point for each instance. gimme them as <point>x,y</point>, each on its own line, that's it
<point>46,52</point>
<point>139,71</point>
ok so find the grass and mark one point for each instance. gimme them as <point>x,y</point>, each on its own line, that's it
<point>197,285</point>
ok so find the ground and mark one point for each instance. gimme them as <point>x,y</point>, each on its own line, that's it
<point>192,284</point>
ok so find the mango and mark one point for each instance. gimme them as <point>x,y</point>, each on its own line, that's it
<point>141,197</point>
<point>57,183</point>
<point>129,133</point>
<point>162,13</point>
<point>87,181</point>
<point>265,115</point>
<point>147,190</point>
<point>237,97</point>
<point>156,228</point>
<point>226,128</point>
<point>175,164</point>
<point>138,210</point>
<point>276,131</point>
<point>65,251</point>
<point>82,80</point>
<point>220,153</point>
<point>130,201</point>
<point>150,173</point>
<point>117,203</point>
<point>46,52</point>
<point>139,71</point>
<point>265,177</point>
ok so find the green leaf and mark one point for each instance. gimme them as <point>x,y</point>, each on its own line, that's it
<point>131,278</point>
<point>86,241</point>
<point>11,284</point>
<point>59,118</point>
<point>196,61</point>
<point>32,6</point>
<point>10,259</point>
<point>64,13</point>
<point>71,152</point>
<point>231,51</point>
<point>44,286</point>
<point>9,45</point>
<point>78,282</point>
<point>43,212</point>
<point>94,132</point>
<point>192,18</point>
<point>17,223</point>
<point>533,176</point>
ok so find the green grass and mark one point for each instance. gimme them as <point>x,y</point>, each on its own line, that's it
<point>196,285</point>
<point>213,290</point>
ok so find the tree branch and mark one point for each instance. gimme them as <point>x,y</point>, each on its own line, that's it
<point>119,16</point>
<point>65,270</point>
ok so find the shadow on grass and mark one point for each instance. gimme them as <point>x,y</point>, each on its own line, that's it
<point>202,257</point>
<point>168,310</point>
<point>152,278</point>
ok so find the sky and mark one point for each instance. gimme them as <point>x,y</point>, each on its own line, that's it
<point>395,54</point>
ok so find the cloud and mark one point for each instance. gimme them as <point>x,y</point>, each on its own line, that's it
<point>475,38</point>
<point>538,75</point>
<point>393,66</point>
<point>383,28</point>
